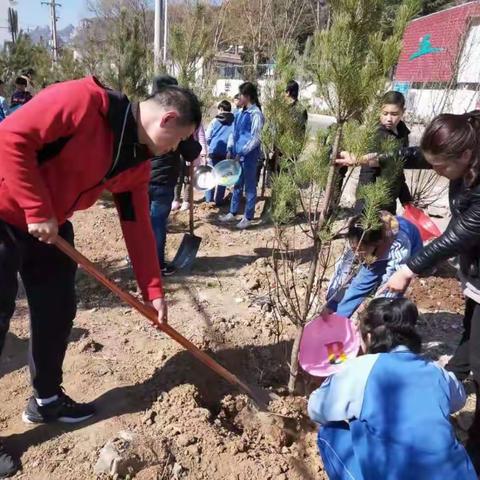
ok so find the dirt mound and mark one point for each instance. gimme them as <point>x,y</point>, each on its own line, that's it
<point>232,439</point>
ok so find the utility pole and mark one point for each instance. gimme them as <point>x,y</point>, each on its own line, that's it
<point>165,31</point>
<point>157,43</point>
<point>161,34</point>
<point>53,16</point>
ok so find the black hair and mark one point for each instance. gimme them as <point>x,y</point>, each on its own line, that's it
<point>225,105</point>
<point>292,89</point>
<point>28,72</point>
<point>358,233</point>
<point>394,98</point>
<point>390,322</point>
<point>161,81</point>
<point>236,96</point>
<point>451,135</point>
<point>21,81</point>
<point>250,90</point>
<point>182,100</point>
<point>1,82</point>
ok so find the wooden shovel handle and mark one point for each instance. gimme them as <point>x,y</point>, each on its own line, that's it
<point>151,315</point>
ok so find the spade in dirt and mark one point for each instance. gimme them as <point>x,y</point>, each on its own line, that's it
<point>188,249</point>
<point>267,421</point>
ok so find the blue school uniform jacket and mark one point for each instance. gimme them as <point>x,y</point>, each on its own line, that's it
<point>397,405</point>
<point>247,127</point>
<point>218,134</point>
<point>344,297</point>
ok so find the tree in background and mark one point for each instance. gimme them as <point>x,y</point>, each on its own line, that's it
<point>68,67</point>
<point>128,66</point>
<point>427,7</point>
<point>24,54</point>
<point>262,26</point>
<point>349,64</point>
<point>191,43</point>
<point>116,44</point>
<point>196,33</point>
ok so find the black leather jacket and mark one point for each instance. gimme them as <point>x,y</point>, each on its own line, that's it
<point>462,236</point>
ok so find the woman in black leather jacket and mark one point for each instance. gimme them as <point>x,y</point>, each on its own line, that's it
<point>451,145</point>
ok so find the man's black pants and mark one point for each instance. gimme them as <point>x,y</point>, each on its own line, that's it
<point>49,280</point>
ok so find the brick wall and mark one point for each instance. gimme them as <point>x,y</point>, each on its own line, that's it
<point>446,29</point>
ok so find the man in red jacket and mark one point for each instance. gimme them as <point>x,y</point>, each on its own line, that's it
<point>57,154</point>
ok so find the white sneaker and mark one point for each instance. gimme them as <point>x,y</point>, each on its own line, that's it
<point>185,206</point>
<point>244,223</point>
<point>175,205</point>
<point>229,217</point>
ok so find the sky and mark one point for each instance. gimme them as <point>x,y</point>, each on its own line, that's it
<point>32,13</point>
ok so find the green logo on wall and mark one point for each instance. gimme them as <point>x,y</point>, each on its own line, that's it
<point>425,47</point>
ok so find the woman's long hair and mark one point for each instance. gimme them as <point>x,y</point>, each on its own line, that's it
<point>449,135</point>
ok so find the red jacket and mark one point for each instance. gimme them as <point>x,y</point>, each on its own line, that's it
<point>55,154</point>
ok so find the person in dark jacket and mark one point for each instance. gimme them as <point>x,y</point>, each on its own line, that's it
<point>299,120</point>
<point>299,112</point>
<point>391,132</point>
<point>451,145</point>
<point>165,173</point>
<point>58,153</point>
<point>21,95</point>
<point>217,136</point>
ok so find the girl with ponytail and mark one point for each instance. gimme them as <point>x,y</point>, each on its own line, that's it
<point>244,144</point>
<point>385,415</point>
<point>451,145</point>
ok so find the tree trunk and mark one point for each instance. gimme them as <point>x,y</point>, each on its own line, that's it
<point>292,381</point>
<point>317,245</point>
<point>331,180</point>
<point>255,64</point>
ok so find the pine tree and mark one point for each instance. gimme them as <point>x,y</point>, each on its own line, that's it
<point>24,54</point>
<point>128,66</point>
<point>349,64</point>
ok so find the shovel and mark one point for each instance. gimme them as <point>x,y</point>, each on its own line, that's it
<point>188,249</point>
<point>259,396</point>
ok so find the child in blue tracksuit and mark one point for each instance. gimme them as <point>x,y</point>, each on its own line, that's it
<point>378,254</point>
<point>385,415</point>
<point>217,135</point>
<point>244,145</point>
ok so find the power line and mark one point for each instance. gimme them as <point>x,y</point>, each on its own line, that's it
<point>53,16</point>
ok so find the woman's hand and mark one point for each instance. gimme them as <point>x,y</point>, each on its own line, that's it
<point>399,281</point>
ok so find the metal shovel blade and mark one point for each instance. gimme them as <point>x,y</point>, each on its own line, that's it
<point>187,252</point>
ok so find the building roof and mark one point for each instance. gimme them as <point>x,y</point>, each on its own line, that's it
<point>230,58</point>
<point>431,44</point>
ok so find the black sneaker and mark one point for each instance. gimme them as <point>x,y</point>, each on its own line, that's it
<point>168,270</point>
<point>64,409</point>
<point>9,466</point>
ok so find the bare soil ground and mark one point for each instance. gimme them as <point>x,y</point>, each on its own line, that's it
<point>183,421</point>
